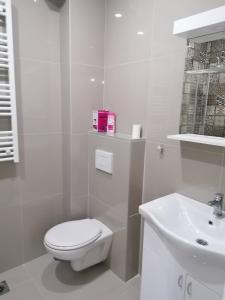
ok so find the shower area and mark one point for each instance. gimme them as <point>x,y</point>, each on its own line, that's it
<point>203,105</point>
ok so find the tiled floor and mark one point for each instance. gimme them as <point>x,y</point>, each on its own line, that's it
<point>45,279</point>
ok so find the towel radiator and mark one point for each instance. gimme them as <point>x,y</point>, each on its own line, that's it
<point>8,115</point>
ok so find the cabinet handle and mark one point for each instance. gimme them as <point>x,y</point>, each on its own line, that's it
<point>180,281</point>
<point>189,289</point>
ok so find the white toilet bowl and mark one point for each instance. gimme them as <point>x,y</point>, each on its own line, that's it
<point>84,242</point>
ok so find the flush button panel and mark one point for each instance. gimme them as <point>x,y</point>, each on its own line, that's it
<point>104,161</point>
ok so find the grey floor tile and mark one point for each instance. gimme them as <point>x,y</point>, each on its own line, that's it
<point>130,294</point>
<point>46,279</point>
<point>135,282</point>
<point>24,291</point>
<point>102,287</point>
<point>15,276</point>
<point>131,291</point>
<point>56,280</point>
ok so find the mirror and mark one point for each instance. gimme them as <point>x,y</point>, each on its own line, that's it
<point>203,105</point>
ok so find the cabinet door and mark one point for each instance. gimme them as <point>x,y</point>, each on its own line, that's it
<point>162,277</point>
<point>197,291</point>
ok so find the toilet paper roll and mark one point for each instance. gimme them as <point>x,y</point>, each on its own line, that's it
<point>136,131</point>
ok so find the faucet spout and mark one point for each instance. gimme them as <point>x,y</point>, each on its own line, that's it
<point>217,204</point>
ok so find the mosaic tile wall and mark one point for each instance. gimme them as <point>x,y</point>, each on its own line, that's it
<point>203,106</point>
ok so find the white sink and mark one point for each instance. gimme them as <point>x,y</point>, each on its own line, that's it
<point>180,222</point>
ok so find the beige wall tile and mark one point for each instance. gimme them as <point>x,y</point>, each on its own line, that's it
<point>86,95</point>
<point>39,97</point>
<point>165,93</point>
<point>65,108</point>
<point>79,208</point>
<point>82,47</point>
<point>133,246</point>
<point>36,30</point>
<point>126,93</point>
<point>39,172</point>
<point>87,32</point>
<point>79,176</point>
<point>40,166</point>
<point>112,198</point>
<point>10,217</point>
<point>66,175</point>
<point>110,189</point>
<point>118,254</point>
<point>65,33</point>
<point>196,169</point>
<point>38,217</point>
<point>122,43</point>
<point>114,216</point>
<point>79,166</point>
<point>158,180</point>
<point>201,173</point>
<point>195,173</point>
<point>136,176</point>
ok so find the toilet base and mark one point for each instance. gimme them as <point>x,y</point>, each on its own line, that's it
<point>92,257</point>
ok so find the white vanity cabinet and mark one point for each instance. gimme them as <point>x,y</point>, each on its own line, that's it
<point>160,272</point>
<point>163,278</point>
<point>198,291</point>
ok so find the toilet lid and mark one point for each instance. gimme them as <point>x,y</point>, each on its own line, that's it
<point>73,235</point>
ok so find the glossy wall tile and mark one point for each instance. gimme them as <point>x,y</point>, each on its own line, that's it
<point>128,31</point>
<point>87,34</point>
<point>196,170</point>
<point>126,90</point>
<point>143,84</point>
<point>34,21</point>
<point>114,199</point>
<point>30,189</point>
<point>83,92</point>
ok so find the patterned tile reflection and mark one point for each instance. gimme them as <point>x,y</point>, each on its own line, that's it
<point>203,106</point>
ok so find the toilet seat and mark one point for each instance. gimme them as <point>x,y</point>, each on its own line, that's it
<point>73,235</point>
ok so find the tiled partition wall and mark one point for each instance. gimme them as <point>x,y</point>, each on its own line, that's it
<point>144,81</point>
<point>31,191</point>
<point>114,199</point>
<point>82,56</point>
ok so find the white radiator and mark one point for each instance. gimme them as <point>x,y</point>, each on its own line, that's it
<point>8,139</point>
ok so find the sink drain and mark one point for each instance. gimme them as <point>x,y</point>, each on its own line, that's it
<point>202,242</point>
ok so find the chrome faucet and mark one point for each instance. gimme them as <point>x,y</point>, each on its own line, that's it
<point>217,204</point>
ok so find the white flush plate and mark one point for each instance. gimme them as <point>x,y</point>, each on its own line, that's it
<point>104,161</point>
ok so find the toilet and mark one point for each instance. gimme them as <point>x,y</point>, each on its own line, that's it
<point>83,242</point>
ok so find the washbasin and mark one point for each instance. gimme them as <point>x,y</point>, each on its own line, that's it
<point>189,228</point>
